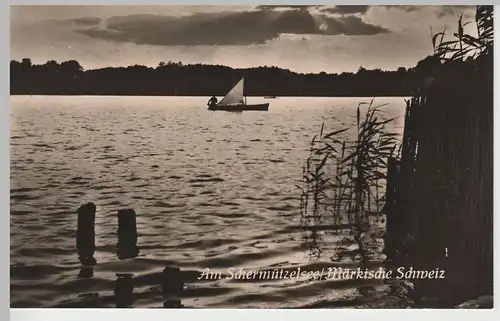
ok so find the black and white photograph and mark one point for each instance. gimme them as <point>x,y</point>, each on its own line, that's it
<point>251,156</point>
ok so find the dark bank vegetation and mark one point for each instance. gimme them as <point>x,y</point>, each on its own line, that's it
<point>438,195</point>
<point>172,79</point>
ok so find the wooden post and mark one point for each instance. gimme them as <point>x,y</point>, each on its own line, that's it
<point>86,272</point>
<point>124,291</point>
<point>85,233</point>
<point>172,287</point>
<point>127,234</point>
<point>173,304</point>
<point>390,239</point>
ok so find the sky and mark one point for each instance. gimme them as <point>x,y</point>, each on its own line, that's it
<point>305,39</point>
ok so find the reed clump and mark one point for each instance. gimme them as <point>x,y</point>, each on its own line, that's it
<point>442,191</point>
<point>438,197</point>
<point>342,189</point>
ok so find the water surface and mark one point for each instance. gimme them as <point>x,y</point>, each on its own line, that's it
<point>211,190</point>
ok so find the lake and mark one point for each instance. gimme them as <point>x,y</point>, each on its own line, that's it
<point>211,190</point>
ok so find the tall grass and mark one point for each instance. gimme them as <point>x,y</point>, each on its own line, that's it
<point>343,181</point>
<point>466,47</point>
<point>442,206</point>
<point>443,214</point>
<point>465,64</point>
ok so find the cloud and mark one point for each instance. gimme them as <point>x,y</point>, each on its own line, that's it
<point>83,21</point>
<point>403,40</point>
<point>441,10</point>
<point>226,28</point>
<point>87,21</point>
<point>452,10</point>
<point>407,8</point>
<point>285,7</point>
<point>352,26</point>
<point>346,9</point>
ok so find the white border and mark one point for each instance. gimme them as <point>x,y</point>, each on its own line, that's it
<point>208,314</point>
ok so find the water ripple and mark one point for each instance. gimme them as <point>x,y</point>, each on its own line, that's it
<point>211,190</point>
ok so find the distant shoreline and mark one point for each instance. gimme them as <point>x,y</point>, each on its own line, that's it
<point>171,79</point>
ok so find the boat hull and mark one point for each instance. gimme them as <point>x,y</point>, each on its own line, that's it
<point>256,107</point>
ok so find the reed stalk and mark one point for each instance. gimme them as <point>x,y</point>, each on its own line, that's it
<point>442,192</point>
<point>341,183</point>
<point>446,166</point>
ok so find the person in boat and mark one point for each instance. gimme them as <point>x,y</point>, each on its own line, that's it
<point>212,101</point>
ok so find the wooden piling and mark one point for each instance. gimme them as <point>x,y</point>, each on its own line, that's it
<point>127,234</point>
<point>389,209</point>
<point>86,272</point>
<point>444,197</point>
<point>172,304</point>
<point>85,233</point>
<point>172,287</point>
<point>124,291</point>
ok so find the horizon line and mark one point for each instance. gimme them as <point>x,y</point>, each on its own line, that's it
<point>219,65</point>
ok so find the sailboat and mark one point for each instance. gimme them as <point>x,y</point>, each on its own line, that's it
<point>236,101</point>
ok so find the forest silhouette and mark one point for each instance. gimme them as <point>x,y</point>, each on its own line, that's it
<point>177,79</point>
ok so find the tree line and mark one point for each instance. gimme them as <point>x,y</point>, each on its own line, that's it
<point>177,79</point>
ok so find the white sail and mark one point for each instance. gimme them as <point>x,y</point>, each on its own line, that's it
<point>234,96</point>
